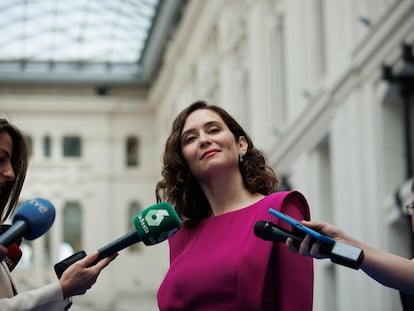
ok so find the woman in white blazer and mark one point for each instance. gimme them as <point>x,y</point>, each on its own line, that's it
<point>76,280</point>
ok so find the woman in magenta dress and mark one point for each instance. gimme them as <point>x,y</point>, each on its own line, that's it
<point>221,186</point>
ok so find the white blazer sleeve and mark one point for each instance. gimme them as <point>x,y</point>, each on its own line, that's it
<point>45,298</point>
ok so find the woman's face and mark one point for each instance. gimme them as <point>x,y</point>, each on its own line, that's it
<point>6,149</point>
<point>207,143</point>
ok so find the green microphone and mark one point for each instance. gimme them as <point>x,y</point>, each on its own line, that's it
<point>153,225</point>
<point>156,223</point>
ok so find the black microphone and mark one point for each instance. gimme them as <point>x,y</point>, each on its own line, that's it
<point>268,231</point>
<point>339,252</point>
<point>152,226</point>
<point>31,220</point>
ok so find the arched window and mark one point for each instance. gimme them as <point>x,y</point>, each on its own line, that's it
<point>132,151</point>
<point>134,209</point>
<point>72,226</point>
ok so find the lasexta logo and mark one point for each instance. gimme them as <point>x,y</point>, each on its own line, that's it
<point>155,217</point>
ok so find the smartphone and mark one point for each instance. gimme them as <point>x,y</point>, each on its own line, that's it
<point>299,226</point>
<point>61,266</point>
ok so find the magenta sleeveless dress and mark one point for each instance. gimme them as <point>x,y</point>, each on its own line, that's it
<point>222,266</point>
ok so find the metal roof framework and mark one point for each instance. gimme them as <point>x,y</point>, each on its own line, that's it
<point>107,42</point>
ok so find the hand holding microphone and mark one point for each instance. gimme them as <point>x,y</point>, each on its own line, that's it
<point>153,225</point>
<point>339,252</point>
<point>269,231</point>
<point>80,276</point>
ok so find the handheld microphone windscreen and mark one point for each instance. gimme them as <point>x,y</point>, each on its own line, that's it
<point>32,219</point>
<point>39,214</point>
<point>156,223</point>
<point>153,225</point>
<point>14,254</point>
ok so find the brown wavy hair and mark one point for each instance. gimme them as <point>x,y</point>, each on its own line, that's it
<point>10,193</point>
<point>180,188</point>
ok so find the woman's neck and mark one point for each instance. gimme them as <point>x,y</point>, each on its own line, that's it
<point>228,195</point>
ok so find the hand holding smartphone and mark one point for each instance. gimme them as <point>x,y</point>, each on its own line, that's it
<point>61,266</point>
<point>339,252</point>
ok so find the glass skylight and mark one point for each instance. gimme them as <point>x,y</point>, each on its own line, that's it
<point>50,35</point>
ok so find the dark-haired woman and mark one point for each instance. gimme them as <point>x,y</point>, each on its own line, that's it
<point>220,186</point>
<point>76,280</point>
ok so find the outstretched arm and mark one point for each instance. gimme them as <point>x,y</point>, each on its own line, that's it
<point>386,268</point>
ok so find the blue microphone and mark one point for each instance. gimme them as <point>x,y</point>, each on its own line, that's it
<point>31,220</point>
